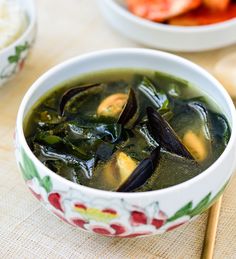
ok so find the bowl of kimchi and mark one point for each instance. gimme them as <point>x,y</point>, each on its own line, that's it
<point>174,25</point>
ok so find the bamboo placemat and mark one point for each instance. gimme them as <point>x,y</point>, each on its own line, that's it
<point>27,230</point>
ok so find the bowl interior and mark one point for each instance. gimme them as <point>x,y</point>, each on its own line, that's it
<point>129,58</point>
<point>144,59</point>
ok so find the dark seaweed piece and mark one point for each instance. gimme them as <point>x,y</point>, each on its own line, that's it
<point>130,110</point>
<point>168,82</point>
<point>47,138</point>
<point>165,135</point>
<point>65,171</point>
<point>221,132</point>
<point>142,173</point>
<point>107,132</point>
<point>189,114</point>
<point>62,143</point>
<point>82,149</point>
<point>68,95</point>
<point>49,154</point>
<point>158,98</point>
<point>183,170</point>
<point>78,139</point>
<point>135,143</point>
<point>104,151</point>
<point>200,109</point>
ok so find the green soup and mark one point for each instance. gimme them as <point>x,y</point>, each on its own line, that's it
<point>126,130</point>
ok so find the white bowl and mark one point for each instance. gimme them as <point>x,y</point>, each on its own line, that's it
<point>167,37</point>
<point>13,56</point>
<point>126,214</point>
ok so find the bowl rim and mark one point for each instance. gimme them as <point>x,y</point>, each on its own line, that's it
<point>100,54</point>
<point>166,27</point>
<point>32,21</point>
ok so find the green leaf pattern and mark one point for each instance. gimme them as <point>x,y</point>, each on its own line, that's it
<point>15,61</point>
<point>29,172</point>
<point>185,210</point>
<point>46,183</point>
<point>18,51</point>
<point>200,206</point>
<point>189,210</point>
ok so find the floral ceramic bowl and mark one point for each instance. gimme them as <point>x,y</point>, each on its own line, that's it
<point>13,56</point>
<point>126,214</point>
<point>164,36</point>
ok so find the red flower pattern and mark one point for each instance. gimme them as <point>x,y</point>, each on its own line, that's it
<point>157,223</point>
<point>102,231</point>
<point>119,229</point>
<point>160,220</point>
<point>138,218</point>
<point>79,222</point>
<point>55,200</point>
<point>110,211</point>
<point>80,206</point>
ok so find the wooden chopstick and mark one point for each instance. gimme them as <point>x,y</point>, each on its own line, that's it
<point>211,229</point>
<point>210,235</point>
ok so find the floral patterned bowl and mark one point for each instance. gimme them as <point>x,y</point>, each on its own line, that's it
<point>126,214</point>
<point>12,57</point>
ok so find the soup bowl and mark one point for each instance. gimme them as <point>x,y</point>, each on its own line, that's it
<point>12,57</point>
<point>126,214</point>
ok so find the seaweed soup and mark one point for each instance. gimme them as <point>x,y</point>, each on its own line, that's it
<point>126,130</point>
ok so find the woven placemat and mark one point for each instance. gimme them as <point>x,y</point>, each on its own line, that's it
<point>27,230</point>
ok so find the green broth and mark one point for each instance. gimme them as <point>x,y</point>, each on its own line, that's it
<point>57,140</point>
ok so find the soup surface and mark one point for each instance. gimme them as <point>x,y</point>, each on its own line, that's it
<point>126,130</point>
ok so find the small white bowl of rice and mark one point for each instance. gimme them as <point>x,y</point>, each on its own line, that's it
<point>17,34</point>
